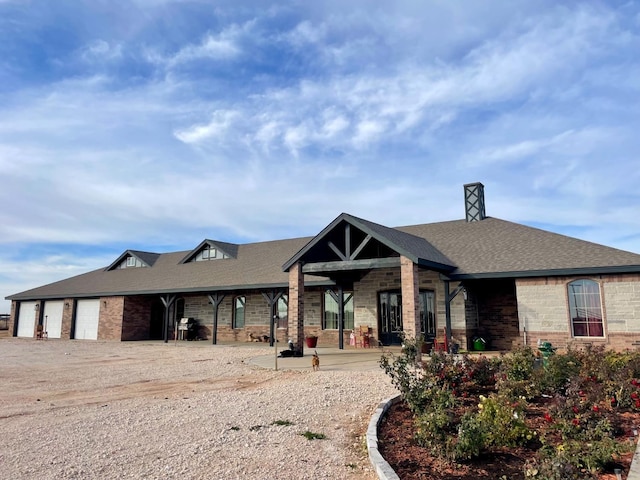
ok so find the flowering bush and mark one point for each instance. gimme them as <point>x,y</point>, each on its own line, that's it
<point>566,409</point>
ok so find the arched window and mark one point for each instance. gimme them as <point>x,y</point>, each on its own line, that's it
<point>585,308</point>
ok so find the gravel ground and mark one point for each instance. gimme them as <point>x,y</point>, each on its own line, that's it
<point>81,409</point>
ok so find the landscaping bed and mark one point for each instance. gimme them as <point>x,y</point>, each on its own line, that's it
<point>411,461</point>
<point>571,416</point>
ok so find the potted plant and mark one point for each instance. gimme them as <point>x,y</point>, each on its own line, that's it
<point>311,341</point>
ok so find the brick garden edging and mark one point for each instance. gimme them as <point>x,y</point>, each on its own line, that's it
<point>384,470</point>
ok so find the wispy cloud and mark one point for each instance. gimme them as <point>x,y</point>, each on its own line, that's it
<point>261,121</point>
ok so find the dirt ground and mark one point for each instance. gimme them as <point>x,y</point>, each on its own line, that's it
<point>82,409</point>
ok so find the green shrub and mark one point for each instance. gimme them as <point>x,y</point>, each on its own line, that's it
<point>408,377</point>
<point>503,421</point>
<point>555,376</point>
<point>517,376</point>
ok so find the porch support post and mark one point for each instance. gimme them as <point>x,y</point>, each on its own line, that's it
<point>410,297</point>
<point>338,296</point>
<point>216,300</point>
<point>296,307</point>
<point>448,298</point>
<point>447,312</point>
<point>340,317</point>
<point>272,299</point>
<point>167,301</point>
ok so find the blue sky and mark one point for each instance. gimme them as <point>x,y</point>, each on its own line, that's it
<point>153,124</point>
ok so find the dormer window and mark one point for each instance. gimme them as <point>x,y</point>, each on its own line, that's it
<point>210,250</point>
<point>134,259</point>
<point>130,262</point>
<point>207,253</point>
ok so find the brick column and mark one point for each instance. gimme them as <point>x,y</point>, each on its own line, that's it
<point>296,307</point>
<point>12,318</point>
<point>67,315</point>
<point>410,300</point>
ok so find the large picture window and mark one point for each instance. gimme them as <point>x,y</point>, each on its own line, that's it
<point>585,308</point>
<point>238,312</point>
<point>330,315</point>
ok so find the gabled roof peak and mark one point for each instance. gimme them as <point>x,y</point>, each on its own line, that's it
<point>418,249</point>
<point>224,249</point>
<point>144,259</point>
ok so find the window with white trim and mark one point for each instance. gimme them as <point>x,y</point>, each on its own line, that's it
<point>207,253</point>
<point>585,308</point>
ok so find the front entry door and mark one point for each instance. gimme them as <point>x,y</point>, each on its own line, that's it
<point>390,308</point>
<point>390,312</point>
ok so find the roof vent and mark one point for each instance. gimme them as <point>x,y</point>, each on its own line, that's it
<point>474,202</point>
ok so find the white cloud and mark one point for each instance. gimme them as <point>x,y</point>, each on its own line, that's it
<point>221,46</point>
<point>101,50</point>
<point>221,122</point>
<point>270,124</point>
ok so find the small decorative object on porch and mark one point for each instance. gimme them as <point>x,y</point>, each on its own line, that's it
<point>311,341</point>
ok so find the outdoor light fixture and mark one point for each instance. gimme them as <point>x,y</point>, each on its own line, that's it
<point>104,302</point>
<point>36,307</point>
<point>464,293</point>
<point>66,304</point>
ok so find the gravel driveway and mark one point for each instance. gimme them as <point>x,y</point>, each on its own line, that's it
<point>82,409</point>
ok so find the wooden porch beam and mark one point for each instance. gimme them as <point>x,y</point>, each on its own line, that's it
<point>367,264</point>
<point>360,247</point>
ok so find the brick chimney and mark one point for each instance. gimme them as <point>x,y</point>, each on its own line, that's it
<point>474,202</point>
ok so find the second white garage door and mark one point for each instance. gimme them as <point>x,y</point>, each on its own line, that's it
<point>53,318</point>
<point>87,317</point>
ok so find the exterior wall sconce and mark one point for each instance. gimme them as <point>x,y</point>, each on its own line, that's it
<point>104,302</point>
<point>36,307</point>
<point>66,304</point>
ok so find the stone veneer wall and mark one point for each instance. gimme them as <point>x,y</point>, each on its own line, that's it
<point>366,300</point>
<point>544,311</point>
<point>257,316</point>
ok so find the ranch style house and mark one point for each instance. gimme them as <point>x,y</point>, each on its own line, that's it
<point>455,283</point>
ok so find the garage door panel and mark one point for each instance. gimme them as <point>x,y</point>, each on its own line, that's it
<point>26,319</point>
<point>87,317</point>
<point>53,318</point>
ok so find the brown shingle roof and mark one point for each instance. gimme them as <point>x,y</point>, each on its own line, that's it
<point>497,247</point>
<point>257,265</point>
<point>488,248</point>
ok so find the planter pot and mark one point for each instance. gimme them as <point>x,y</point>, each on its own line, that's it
<point>312,342</point>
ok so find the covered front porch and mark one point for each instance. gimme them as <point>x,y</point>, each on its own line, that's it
<point>396,281</point>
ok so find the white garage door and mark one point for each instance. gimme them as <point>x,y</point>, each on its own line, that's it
<point>27,319</point>
<point>53,318</point>
<point>87,316</point>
